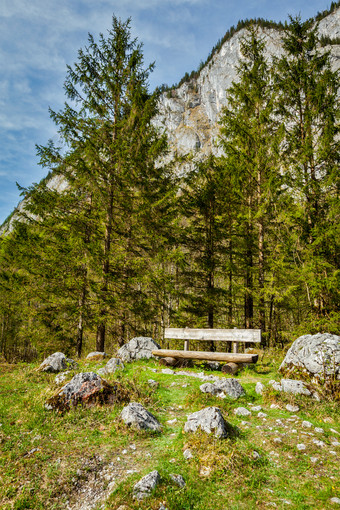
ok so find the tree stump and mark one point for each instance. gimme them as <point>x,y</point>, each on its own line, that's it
<point>230,368</point>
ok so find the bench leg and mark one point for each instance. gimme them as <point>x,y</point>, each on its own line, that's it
<point>186,345</point>
<point>235,347</point>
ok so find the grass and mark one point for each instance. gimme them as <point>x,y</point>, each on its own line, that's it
<point>55,461</point>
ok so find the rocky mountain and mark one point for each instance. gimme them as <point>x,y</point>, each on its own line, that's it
<point>190,113</point>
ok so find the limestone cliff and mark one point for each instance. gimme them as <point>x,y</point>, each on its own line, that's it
<point>190,113</point>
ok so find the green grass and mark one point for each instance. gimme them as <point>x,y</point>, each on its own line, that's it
<point>48,459</point>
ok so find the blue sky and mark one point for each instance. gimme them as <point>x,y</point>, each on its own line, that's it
<point>38,38</point>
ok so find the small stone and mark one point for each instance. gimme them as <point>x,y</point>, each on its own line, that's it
<point>256,408</point>
<point>286,501</point>
<point>185,385</point>
<point>319,443</point>
<point>167,371</point>
<point>143,488</point>
<point>277,440</point>
<point>243,422</point>
<point>242,411</point>
<point>172,422</point>
<point>319,430</point>
<point>136,415</point>
<point>209,419</point>
<point>259,388</point>
<point>153,383</point>
<point>314,460</point>
<point>292,408</point>
<point>178,479</point>
<point>274,406</point>
<point>295,387</point>
<point>132,446</point>
<point>262,415</point>
<point>335,443</point>
<point>162,507</point>
<point>332,452</point>
<point>187,454</point>
<point>307,424</point>
<point>335,501</point>
<point>96,356</point>
<point>334,431</point>
<point>256,455</point>
<point>301,446</point>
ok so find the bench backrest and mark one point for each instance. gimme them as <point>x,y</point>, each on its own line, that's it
<point>218,335</point>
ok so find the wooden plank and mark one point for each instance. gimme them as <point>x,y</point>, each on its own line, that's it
<point>222,335</point>
<point>211,356</point>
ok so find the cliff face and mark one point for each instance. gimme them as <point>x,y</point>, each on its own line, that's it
<point>190,113</point>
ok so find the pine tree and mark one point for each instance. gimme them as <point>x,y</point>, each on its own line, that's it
<point>111,158</point>
<point>309,105</point>
<point>250,138</point>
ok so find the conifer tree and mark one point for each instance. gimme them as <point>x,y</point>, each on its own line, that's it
<point>111,158</point>
<point>249,137</point>
<point>309,106</point>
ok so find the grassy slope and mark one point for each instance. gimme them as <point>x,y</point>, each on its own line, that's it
<point>48,460</point>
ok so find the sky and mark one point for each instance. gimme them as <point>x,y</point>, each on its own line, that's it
<point>38,38</point>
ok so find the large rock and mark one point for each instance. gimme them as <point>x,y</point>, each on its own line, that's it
<point>295,387</point>
<point>135,415</point>
<point>86,388</point>
<point>209,420</point>
<point>57,362</point>
<point>223,387</point>
<point>96,356</point>
<point>140,347</point>
<point>148,483</point>
<point>313,356</point>
<point>111,366</point>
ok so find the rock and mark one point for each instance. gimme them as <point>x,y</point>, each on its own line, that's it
<point>292,408</point>
<point>209,419</point>
<point>275,385</point>
<point>87,388</point>
<point>259,388</point>
<point>307,424</point>
<point>256,455</point>
<point>60,378</point>
<point>111,366</point>
<point>135,415</point>
<point>153,383</point>
<point>242,411</point>
<point>295,387</point>
<point>167,371</point>
<point>262,415</point>
<point>223,387</point>
<point>301,447</point>
<point>138,348</point>
<point>148,483</point>
<point>336,501</point>
<point>57,362</point>
<point>178,479</point>
<point>213,365</point>
<point>96,356</point>
<point>319,430</point>
<point>317,356</point>
<point>187,454</point>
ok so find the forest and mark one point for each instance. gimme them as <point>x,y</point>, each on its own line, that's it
<point>250,239</point>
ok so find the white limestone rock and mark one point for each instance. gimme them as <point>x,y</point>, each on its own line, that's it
<point>295,387</point>
<point>315,355</point>
<point>138,348</point>
<point>209,420</point>
<point>135,415</point>
<point>57,362</point>
<point>242,411</point>
<point>111,366</point>
<point>146,485</point>
<point>96,356</point>
<point>223,387</point>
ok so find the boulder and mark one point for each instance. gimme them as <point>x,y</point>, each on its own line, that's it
<point>111,366</point>
<point>148,483</point>
<point>140,347</point>
<point>313,356</point>
<point>295,387</point>
<point>86,388</point>
<point>57,362</point>
<point>135,415</point>
<point>96,356</point>
<point>209,420</point>
<point>223,387</point>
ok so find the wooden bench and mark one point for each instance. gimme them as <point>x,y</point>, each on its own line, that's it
<point>235,336</point>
